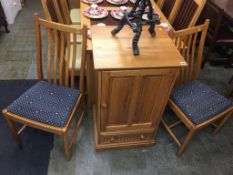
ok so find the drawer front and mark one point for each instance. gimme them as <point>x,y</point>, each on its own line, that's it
<point>124,138</point>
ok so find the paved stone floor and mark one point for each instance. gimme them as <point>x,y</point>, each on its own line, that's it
<point>204,155</point>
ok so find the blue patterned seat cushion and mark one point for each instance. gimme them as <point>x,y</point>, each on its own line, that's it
<point>46,103</point>
<point>199,102</point>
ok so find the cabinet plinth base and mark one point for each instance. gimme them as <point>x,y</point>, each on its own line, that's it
<point>100,147</point>
<point>108,143</point>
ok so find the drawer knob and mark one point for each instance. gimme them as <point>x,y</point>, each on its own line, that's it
<point>142,137</point>
<point>104,105</point>
<point>112,139</point>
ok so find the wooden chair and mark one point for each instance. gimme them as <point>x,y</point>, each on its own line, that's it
<point>215,14</point>
<point>219,34</point>
<point>52,105</point>
<point>230,93</point>
<point>195,104</point>
<point>188,14</point>
<point>60,11</point>
<point>167,7</point>
<point>160,3</point>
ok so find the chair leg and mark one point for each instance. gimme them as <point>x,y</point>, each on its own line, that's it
<point>66,146</point>
<point>84,105</point>
<point>221,123</point>
<point>186,141</point>
<point>14,131</point>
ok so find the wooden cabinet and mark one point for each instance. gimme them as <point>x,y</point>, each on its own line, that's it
<point>131,92</point>
<point>131,103</point>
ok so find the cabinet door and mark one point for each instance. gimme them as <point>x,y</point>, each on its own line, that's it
<point>134,99</point>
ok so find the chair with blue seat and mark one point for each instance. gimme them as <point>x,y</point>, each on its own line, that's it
<point>52,105</point>
<point>195,104</point>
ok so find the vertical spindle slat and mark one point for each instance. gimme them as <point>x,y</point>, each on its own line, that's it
<point>61,66</point>
<point>183,53</point>
<point>40,73</point>
<point>67,60</point>
<point>73,59</point>
<point>49,54</point>
<point>188,58</point>
<point>55,35</point>
<point>192,68</point>
<point>83,60</point>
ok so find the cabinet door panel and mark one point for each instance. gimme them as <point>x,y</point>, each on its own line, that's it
<point>154,96</point>
<point>119,99</point>
<point>119,95</point>
<point>134,99</point>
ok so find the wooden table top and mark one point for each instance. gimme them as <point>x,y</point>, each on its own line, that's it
<point>85,20</point>
<point>115,52</point>
<point>227,5</point>
<point>88,22</point>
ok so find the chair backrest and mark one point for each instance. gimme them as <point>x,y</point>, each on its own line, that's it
<point>65,9</point>
<point>160,3</point>
<point>49,10</point>
<point>68,4</point>
<point>60,65</point>
<point>167,7</point>
<point>215,15</point>
<point>188,14</point>
<point>190,42</point>
<point>57,10</point>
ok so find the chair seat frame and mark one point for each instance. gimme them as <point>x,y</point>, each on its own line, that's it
<point>221,118</point>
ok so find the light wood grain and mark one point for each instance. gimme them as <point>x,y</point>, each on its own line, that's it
<point>55,65</point>
<point>115,52</point>
<point>188,44</point>
<point>131,92</point>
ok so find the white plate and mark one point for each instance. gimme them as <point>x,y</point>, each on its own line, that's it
<point>117,2</point>
<point>117,14</point>
<point>133,1</point>
<point>102,13</point>
<point>144,16</point>
<point>92,1</point>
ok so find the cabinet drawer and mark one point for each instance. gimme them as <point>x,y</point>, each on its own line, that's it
<point>124,138</point>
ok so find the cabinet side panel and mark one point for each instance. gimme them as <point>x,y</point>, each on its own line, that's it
<point>149,96</point>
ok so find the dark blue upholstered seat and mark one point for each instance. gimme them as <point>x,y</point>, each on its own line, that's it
<point>46,103</point>
<point>199,102</point>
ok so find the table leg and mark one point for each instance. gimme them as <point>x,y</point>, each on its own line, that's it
<point>90,79</point>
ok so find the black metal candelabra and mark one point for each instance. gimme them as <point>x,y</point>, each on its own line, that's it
<point>137,13</point>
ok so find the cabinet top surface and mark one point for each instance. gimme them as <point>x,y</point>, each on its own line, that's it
<point>115,52</point>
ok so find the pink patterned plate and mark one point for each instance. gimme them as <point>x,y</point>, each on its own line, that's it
<point>92,1</point>
<point>97,14</point>
<point>117,14</point>
<point>117,2</point>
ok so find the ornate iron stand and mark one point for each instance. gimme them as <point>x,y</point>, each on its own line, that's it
<point>137,13</point>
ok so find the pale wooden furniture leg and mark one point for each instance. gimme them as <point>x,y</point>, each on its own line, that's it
<point>90,79</point>
<point>186,141</point>
<point>221,123</point>
<point>66,146</point>
<point>14,131</point>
